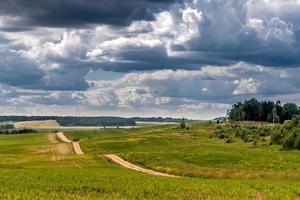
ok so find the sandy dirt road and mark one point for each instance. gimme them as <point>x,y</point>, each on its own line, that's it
<point>77,148</point>
<point>62,137</point>
<point>114,158</point>
<point>76,145</point>
<point>129,165</point>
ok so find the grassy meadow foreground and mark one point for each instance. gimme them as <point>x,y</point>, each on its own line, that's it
<point>38,166</point>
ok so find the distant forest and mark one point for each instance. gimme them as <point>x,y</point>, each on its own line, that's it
<point>75,121</point>
<point>88,121</point>
<point>266,111</point>
<point>158,119</point>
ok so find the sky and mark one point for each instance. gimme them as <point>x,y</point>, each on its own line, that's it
<point>175,58</point>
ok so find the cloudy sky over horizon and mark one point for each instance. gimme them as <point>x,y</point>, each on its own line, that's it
<point>178,58</point>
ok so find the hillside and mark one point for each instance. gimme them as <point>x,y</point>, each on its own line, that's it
<point>40,164</point>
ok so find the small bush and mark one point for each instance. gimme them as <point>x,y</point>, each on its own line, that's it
<point>254,143</point>
<point>288,141</point>
<point>182,124</point>
<point>222,136</point>
<point>229,140</point>
<point>287,134</point>
<point>297,142</point>
<point>255,140</point>
<point>219,127</point>
<point>76,139</point>
<point>17,131</point>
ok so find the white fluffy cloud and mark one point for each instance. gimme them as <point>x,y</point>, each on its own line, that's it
<point>204,93</point>
<point>246,86</point>
<point>190,55</point>
<point>188,35</point>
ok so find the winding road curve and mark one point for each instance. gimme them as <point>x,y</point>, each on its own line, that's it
<point>114,158</point>
<point>129,165</point>
<point>76,145</point>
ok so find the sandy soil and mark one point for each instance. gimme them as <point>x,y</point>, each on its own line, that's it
<point>57,151</point>
<point>63,149</point>
<point>129,165</point>
<point>76,145</point>
<point>60,149</point>
<point>52,137</point>
<point>37,124</point>
<point>77,148</point>
<point>53,124</point>
<point>62,137</point>
<point>63,128</point>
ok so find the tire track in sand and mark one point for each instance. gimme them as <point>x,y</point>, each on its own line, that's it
<point>76,145</point>
<point>134,167</point>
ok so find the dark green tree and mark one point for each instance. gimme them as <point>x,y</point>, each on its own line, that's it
<point>254,110</point>
<point>289,110</point>
<point>182,124</point>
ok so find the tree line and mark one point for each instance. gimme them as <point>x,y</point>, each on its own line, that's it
<point>266,111</point>
<point>16,131</point>
<point>75,121</point>
<point>90,121</point>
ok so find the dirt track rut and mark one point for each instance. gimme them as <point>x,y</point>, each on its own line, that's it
<point>129,165</point>
<point>76,145</point>
<point>114,158</point>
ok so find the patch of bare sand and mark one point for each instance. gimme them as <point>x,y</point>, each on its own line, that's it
<point>37,124</point>
<point>60,151</point>
<point>57,149</point>
<point>297,197</point>
<point>62,137</point>
<point>77,148</point>
<point>63,149</point>
<point>52,138</point>
<point>76,145</point>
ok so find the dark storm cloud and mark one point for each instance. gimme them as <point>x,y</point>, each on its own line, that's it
<point>75,13</point>
<point>232,31</point>
<point>19,71</point>
<point>16,70</point>
<point>65,78</point>
<point>3,40</point>
<point>186,35</point>
<point>227,32</point>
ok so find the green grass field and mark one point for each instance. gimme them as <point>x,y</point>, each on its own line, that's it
<point>31,167</point>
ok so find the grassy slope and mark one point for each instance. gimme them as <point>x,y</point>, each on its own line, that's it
<point>27,173</point>
<point>168,149</point>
